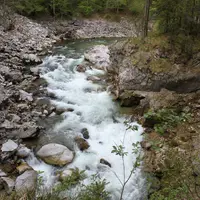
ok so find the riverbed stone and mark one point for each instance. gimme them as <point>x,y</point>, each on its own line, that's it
<point>9,146</point>
<point>85,133</point>
<point>2,173</point>
<point>27,130</point>
<point>55,154</point>
<point>105,162</point>
<point>31,59</point>
<point>23,167</point>
<point>80,68</point>
<point>8,184</point>
<point>26,182</point>
<point>23,151</point>
<point>99,56</point>
<point>81,143</point>
<point>66,173</point>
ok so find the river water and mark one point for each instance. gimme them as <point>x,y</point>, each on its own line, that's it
<point>94,109</point>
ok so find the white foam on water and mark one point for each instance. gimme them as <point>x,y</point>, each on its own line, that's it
<point>93,110</point>
<point>44,170</point>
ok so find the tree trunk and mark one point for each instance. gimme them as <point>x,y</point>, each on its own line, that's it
<point>146,19</point>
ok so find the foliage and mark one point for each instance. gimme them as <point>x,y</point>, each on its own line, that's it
<point>95,191</point>
<point>180,20</point>
<point>178,178</point>
<point>32,7</point>
<point>120,151</point>
<point>69,8</point>
<point>165,119</point>
<point>70,181</point>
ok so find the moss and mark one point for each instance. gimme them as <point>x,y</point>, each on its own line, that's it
<point>160,65</point>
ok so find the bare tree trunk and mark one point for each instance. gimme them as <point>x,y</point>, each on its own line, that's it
<point>54,8</point>
<point>146,18</point>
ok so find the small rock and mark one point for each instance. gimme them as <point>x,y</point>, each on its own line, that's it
<point>35,70</point>
<point>9,146</point>
<point>25,96</point>
<point>26,182</point>
<point>80,68</point>
<point>31,59</point>
<point>145,145</point>
<point>23,167</point>
<point>2,174</point>
<point>93,78</point>
<point>85,133</point>
<point>81,143</point>
<point>14,118</point>
<point>45,112</point>
<point>23,152</point>
<point>60,111</point>
<point>64,174</point>
<point>105,162</point>
<point>8,184</point>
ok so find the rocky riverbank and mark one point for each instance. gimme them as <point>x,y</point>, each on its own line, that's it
<point>95,28</point>
<point>20,87</point>
<point>162,88</point>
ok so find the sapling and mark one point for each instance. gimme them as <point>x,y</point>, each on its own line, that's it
<point>120,151</point>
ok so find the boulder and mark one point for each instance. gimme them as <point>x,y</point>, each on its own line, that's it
<point>99,56</point>
<point>26,182</point>
<point>8,184</point>
<point>81,143</point>
<point>55,154</point>
<point>9,146</point>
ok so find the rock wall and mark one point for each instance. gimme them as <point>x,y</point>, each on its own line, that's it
<point>151,69</point>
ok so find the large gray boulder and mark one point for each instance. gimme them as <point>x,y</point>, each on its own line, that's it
<point>26,182</point>
<point>99,56</point>
<point>55,154</point>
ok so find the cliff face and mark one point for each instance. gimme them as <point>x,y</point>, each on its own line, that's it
<point>151,67</point>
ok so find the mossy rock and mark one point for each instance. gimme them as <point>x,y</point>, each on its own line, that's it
<point>160,65</point>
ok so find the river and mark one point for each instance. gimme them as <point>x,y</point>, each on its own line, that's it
<point>93,109</point>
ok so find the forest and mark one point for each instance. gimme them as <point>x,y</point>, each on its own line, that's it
<point>174,17</point>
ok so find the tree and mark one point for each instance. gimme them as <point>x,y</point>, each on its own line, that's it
<point>146,18</point>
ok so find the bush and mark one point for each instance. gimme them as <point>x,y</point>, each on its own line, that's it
<point>164,119</point>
